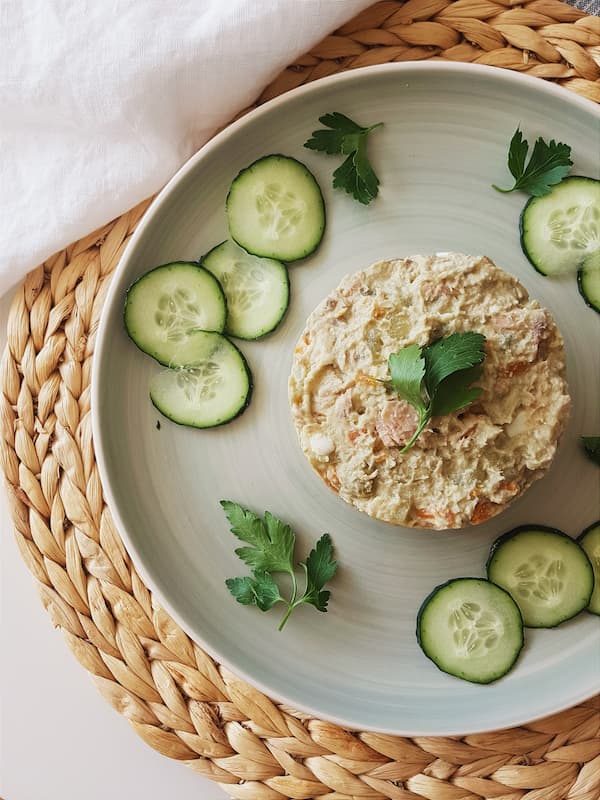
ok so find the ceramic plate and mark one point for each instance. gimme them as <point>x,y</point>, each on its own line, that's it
<point>445,139</point>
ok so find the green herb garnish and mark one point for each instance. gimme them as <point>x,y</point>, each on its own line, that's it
<point>355,175</point>
<point>548,165</point>
<point>592,448</point>
<point>271,549</point>
<point>436,379</point>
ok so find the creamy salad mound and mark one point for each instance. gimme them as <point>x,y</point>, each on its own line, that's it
<point>465,467</point>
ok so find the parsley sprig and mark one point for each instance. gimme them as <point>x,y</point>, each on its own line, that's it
<point>548,165</point>
<point>436,379</point>
<point>355,175</point>
<point>270,550</point>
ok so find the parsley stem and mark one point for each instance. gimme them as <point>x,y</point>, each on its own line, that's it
<point>294,587</point>
<point>291,604</point>
<point>504,191</point>
<point>424,418</point>
<point>287,616</point>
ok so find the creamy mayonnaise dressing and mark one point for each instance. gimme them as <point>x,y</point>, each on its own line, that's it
<point>465,467</point>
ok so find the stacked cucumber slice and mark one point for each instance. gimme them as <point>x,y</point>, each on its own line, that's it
<point>275,209</point>
<point>547,573</point>
<point>560,233</point>
<point>209,391</point>
<point>176,314</point>
<point>588,280</point>
<point>182,313</point>
<point>168,310</point>
<point>471,628</point>
<point>257,290</point>
<point>537,577</point>
<point>590,541</point>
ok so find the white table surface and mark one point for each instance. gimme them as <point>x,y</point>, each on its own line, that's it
<point>59,739</point>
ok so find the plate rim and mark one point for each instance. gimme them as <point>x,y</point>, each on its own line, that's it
<point>348,76</point>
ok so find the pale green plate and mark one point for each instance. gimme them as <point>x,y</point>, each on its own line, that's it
<point>445,139</point>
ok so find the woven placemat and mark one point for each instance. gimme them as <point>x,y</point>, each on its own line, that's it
<point>175,696</point>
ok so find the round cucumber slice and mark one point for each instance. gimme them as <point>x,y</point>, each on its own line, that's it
<point>589,539</point>
<point>214,391</point>
<point>168,309</point>
<point>275,209</point>
<point>547,573</point>
<point>471,629</point>
<point>561,228</point>
<point>588,280</point>
<point>257,289</point>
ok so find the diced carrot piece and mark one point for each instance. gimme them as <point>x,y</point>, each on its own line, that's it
<point>514,368</point>
<point>483,511</point>
<point>332,480</point>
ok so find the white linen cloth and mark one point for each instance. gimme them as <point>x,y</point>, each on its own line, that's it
<point>102,100</point>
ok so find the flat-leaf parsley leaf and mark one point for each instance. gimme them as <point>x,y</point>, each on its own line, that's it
<point>548,165</point>
<point>437,379</point>
<point>259,590</point>
<point>345,137</point>
<point>271,550</point>
<point>271,542</point>
<point>319,568</point>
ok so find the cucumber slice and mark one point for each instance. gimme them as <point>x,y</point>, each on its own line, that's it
<point>590,541</point>
<point>275,209</point>
<point>167,309</point>
<point>212,392</point>
<point>547,573</point>
<point>257,289</point>
<point>560,229</point>
<point>588,280</point>
<point>471,629</point>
